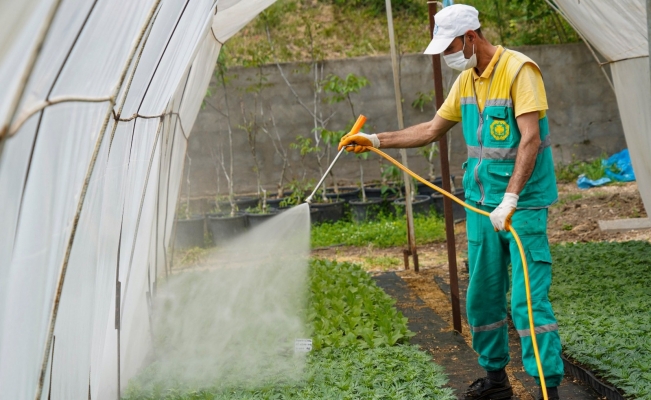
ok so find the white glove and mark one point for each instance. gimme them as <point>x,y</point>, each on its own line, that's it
<point>501,216</point>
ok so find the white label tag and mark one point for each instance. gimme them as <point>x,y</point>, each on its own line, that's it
<point>302,345</point>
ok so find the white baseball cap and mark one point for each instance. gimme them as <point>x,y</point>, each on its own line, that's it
<point>451,22</point>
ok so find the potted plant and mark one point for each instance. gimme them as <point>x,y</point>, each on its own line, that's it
<point>390,187</point>
<point>366,208</point>
<point>298,191</point>
<point>329,210</point>
<point>189,231</point>
<point>261,213</point>
<point>420,204</point>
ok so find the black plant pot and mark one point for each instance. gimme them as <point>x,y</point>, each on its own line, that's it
<point>189,232</point>
<point>391,192</point>
<point>258,219</point>
<point>426,190</point>
<point>224,226</point>
<point>345,193</point>
<point>315,214</point>
<point>458,211</point>
<point>419,205</point>
<point>365,211</point>
<point>329,212</point>
<point>242,204</point>
<point>274,202</point>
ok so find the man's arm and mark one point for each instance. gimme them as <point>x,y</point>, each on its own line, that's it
<point>527,151</point>
<point>417,135</point>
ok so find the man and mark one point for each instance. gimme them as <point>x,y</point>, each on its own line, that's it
<point>500,100</point>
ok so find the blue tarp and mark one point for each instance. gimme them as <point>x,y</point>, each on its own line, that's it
<point>618,168</point>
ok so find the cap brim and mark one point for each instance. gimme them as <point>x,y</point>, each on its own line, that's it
<point>438,45</point>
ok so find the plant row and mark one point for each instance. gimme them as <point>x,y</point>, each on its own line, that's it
<point>602,299</point>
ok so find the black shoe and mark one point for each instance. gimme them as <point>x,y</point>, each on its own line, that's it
<point>552,394</point>
<point>486,389</point>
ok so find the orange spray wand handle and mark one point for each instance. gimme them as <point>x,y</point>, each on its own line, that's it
<point>357,127</point>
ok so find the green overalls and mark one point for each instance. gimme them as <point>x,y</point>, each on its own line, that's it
<point>493,138</point>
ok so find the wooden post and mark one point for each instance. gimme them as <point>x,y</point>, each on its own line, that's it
<point>445,175</point>
<point>411,237</point>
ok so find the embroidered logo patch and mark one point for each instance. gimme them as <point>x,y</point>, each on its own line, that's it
<point>500,130</point>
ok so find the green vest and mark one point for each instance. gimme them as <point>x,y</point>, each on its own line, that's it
<point>493,138</point>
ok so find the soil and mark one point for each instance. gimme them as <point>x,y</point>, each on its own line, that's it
<point>574,218</point>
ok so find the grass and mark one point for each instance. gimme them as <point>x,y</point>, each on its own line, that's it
<point>387,231</point>
<point>361,351</point>
<point>333,29</point>
<point>602,299</point>
<point>381,262</point>
<point>301,30</point>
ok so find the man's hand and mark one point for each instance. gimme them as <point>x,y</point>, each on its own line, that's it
<point>501,216</point>
<point>359,142</point>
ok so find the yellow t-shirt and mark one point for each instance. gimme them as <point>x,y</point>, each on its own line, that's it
<point>528,91</point>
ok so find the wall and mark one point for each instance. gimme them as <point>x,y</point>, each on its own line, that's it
<point>583,115</point>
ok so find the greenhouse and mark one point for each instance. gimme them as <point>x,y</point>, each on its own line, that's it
<point>322,199</point>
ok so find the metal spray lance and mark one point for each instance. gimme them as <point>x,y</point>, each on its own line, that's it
<point>355,129</point>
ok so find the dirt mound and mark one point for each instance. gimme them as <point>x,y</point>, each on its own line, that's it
<point>575,217</point>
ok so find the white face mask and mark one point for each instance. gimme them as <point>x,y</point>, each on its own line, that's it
<point>459,62</point>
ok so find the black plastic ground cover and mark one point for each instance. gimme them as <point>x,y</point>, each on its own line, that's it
<point>589,378</point>
<point>433,334</point>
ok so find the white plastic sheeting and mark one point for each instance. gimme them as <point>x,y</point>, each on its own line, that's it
<point>98,98</point>
<point>618,29</point>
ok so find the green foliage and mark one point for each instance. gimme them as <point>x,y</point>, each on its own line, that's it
<point>341,88</point>
<point>386,231</point>
<point>522,22</point>
<point>428,151</point>
<point>568,173</point>
<point>399,372</point>
<point>183,210</point>
<point>602,299</point>
<point>378,7</point>
<point>392,173</point>
<point>331,138</point>
<point>331,29</point>
<point>347,309</point>
<point>303,145</point>
<point>299,191</point>
<point>423,99</point>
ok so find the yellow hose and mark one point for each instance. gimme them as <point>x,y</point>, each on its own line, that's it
<point>517,240</point>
